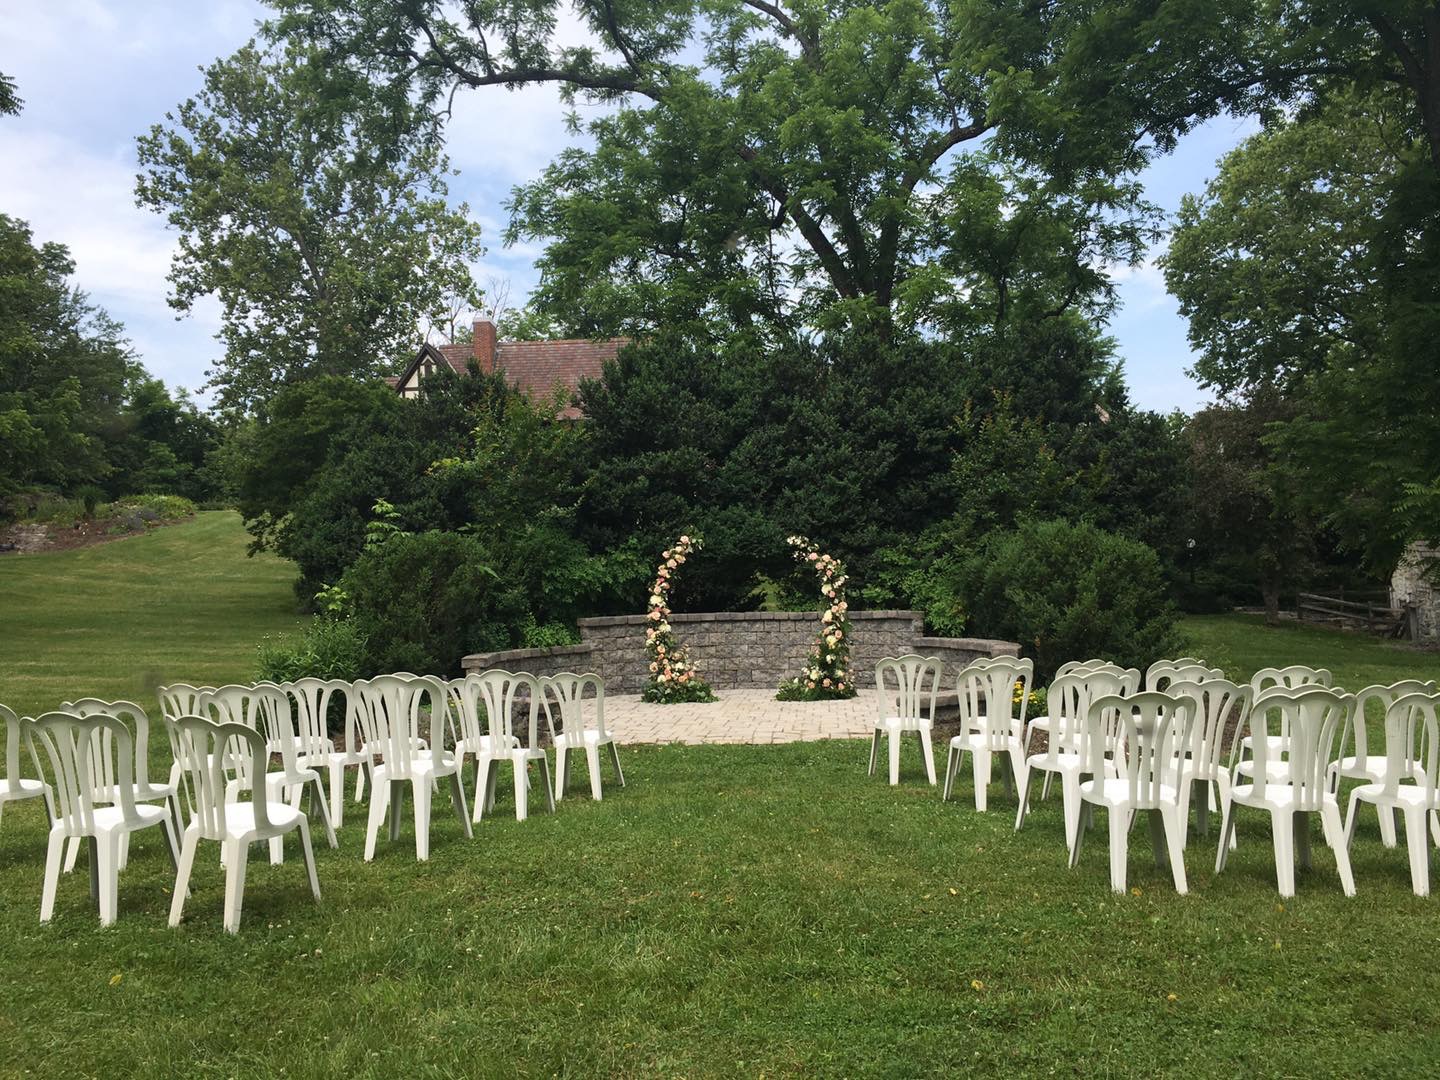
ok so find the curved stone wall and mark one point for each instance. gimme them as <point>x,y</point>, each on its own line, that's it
<point>736,649</point>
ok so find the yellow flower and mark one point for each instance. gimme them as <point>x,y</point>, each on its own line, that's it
<point>1137,891</point>
<point>115,979</point>
<point>976,985</point>
<point>1171,997</point>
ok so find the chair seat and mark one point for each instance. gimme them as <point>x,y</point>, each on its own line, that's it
<point>1276,771</point>
<point>1064,761</point>
<point>24,789</point>
<point>1371,768</point>
<point>427,766</point>
<point>1115,791</point>
<point>904,723</point>
<point>975,740</point>
<point>1276,744</point>
<point>481,745</point>
<point>1403,795</point>
<point>1276,797</point>
<point>138,792</point>
<point>1039,723</point>
<point>108,818</point>
<point>585,738</point>
<point>240,819</point>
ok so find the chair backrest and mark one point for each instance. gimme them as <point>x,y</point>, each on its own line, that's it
<point>1069,700</point>
<point>1156,670</point>
<point>181,699</point>
<point>1291,678</point>
<point>1312,719</point>
<point>1214,700</point>
<point>66,741</point>
<point>501,693</point>
<point>987,689</point>
<point>13,739</point>
<point>1153,729</point>
<point>264,707</point>
<point>388,709</point>
<point>1160,675</point>
<point>580,700</point>
<point>1412,743</point>
<point>312,700</point>
<point>103,750</point>
<point>218,761</point>
<point>1355,734</point>
<point>1072,666</point>
<point>908,686</point>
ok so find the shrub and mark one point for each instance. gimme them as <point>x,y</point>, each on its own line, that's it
<point>1067,591</point>
<point>423,601</point>
<point>534,635</point>
<point>325,649</point>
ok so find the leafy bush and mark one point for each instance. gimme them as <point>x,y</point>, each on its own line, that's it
<point>325,649</point>
<point>150,507</point>
<point>533,635</point>
<point>423,601</point>
<point>1067,591</point>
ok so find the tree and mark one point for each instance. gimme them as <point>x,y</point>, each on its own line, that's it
<point>782,166</point>
<point>10,102</point>
<point>318,218</point>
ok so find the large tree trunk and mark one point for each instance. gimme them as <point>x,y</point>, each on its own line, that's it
<point>1270,594</point>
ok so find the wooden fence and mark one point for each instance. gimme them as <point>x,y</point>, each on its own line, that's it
<point>1370,611</point>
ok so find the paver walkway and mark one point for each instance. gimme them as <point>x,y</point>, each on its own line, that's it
<point>740,716</point>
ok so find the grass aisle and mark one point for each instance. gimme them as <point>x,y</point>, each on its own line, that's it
<point>177,604</point>
<point>734,911</point>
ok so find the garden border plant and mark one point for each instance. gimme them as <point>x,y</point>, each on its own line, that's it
<point>827,675</point>
<point>673,675</point>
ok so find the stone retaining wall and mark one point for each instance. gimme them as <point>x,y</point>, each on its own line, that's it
<point>740,649</point>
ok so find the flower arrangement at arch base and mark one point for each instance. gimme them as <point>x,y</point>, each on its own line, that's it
<point>827,675</point>
<point>673,676</point>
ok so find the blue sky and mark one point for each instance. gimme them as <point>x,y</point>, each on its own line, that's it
<point>96,73</point>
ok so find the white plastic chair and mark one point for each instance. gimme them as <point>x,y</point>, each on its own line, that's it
<point>219,761</point>
<point>14,787</point>
<point>1294,677</point>
<point>103,767</point>
<point>1312,718</point>
<point>1213,700</point>
<point>501,693</point>
<point>1069,700</point>
<point>314,746</point>
<point>1409,778</point>
<point>267,708</point>
<point>389,709</point>
<point>181,699</point>
<point>581,701</point>
<point>1131,677</point>
<point>989,726</point>
<point>1359,763</point>
<point>1154,729</point>
<point>907,705</point>
<point>66,742</point>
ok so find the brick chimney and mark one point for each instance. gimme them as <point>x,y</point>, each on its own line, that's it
<point>485,345</point>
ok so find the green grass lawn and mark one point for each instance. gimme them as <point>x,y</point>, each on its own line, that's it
<point>734,911</point>
<point>177,604</point>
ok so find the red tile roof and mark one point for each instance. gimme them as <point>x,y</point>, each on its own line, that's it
<point>537,367</point>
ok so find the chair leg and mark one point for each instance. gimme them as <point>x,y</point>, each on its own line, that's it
<point>337,793</point>
<point>1302,839</point>
<point>1282,828</point>
<point>1350,817</point>
<point>1157,838</point>
<point>378,806</point>
<point>952,766</point>
<point>1417,838</point>
<point>521,769</point>
<point>1175,834</point>
<point>615,757</point>
<point>360,781</point>
<point>1119,846</point>
<point>1079,838</point>
<point>421,789</point>
<point>1045,787</point>
<point>397,806</point>
<point>482,775</point>
<point>929,751</point>
<point>182,875</point>
<point>1222,787</point>
<point>874,750</point>
<point>1202,808</point>
<point>308,851</point>
<point>1330,816</point>
<point>1387,826</point>
<point>123,858</point>
<point>235,884</point>
<point>172,843</point>
<point>54,857</point>
<point>549,787</point>
<point>108,849</point>
<point>1227,829</point>
<point>457,803</point>
<point>320,803</point>
<point>1023,794</point>
<point>592,758</point>
<point>562,770</point>
<point>1070,794</point>
<point>980,767</point>
<point>894,741</point>
<point>72,852</point>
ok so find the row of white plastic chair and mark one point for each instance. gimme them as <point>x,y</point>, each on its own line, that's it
<point>1114,745</point>
<point>402,731</point>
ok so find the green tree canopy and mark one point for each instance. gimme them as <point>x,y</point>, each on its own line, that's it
<point>318,218</point>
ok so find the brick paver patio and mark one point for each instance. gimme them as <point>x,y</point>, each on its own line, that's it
<point>740,716</point>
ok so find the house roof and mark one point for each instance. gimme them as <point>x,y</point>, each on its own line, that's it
<point>535,367</point>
